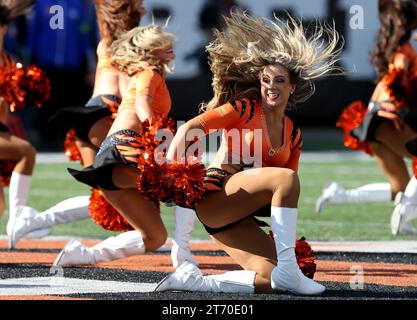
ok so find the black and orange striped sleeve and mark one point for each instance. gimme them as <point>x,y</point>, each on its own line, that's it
<point>228,115</point>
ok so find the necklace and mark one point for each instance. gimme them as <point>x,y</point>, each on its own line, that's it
<point>272,151</point>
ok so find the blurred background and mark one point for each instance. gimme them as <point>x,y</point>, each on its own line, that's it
<point>68,56</point>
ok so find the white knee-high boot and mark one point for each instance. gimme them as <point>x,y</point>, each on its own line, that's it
<point>405,210</point>
<point>124,245</point>
<point>69,210</point>
<point>184,226</point>
<point>287,276</point>
<point>335,193</point>
<point>18,195</point>
<point>187,277</point>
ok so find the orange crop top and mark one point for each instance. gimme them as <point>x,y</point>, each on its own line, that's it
<point>151,83</point>
<point>247,114</point>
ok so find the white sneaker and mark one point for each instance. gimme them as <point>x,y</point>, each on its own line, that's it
<point>329,191</point>
<point>25,226</point>
<point>181,280</point>
<point>179,255</point>
<point>74,253</point>
<point>294,281</point>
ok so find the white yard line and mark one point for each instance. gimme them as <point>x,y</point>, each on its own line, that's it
<point>58,285</point>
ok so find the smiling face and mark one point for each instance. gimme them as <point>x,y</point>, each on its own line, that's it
<point>276,86</point>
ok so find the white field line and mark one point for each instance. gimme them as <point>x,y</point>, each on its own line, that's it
<point>57,285</point>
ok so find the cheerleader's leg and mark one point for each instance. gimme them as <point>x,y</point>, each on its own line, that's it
<point>226,214</point>
<point>14,148</point>
<point>124,245</point>
<point>67,211</point>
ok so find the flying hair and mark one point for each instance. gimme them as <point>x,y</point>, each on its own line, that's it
<point>238,54</point>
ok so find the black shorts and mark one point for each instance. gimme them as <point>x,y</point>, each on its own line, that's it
<point>83,118</point>
<point>214,181</point>
<point>121,147</point>
<point>410,119</point>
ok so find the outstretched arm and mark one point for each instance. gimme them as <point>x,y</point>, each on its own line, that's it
<point>226,116</point>
<point>184,137</point>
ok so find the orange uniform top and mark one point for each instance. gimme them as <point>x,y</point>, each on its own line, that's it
<point>151,83</point>
<point>245,116</point>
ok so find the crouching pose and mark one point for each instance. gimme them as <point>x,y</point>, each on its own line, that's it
<point>143,53</point>
<point>17,155</point>
<point>260,70</point>
<point>90,124</point>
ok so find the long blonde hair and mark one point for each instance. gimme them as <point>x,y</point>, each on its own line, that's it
<point>238,55</point>
<point>133,51</point>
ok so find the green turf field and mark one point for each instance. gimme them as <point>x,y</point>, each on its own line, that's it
<point>52,184</point>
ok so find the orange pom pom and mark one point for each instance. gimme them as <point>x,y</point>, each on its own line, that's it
<point>105,215</point>
<point>187,178</point>
<point>305,258</point>
<point>71,149</point>
<point>20,87</point>
<point>36,85</point>
<point>149,180</point>
<point>351,117</point>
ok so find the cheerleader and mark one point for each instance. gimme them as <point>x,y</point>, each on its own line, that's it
<point>17,155</point>
<point>260,69</point>
<point>144,54</point>
<point>388,127</point>
<point>91,124</point>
